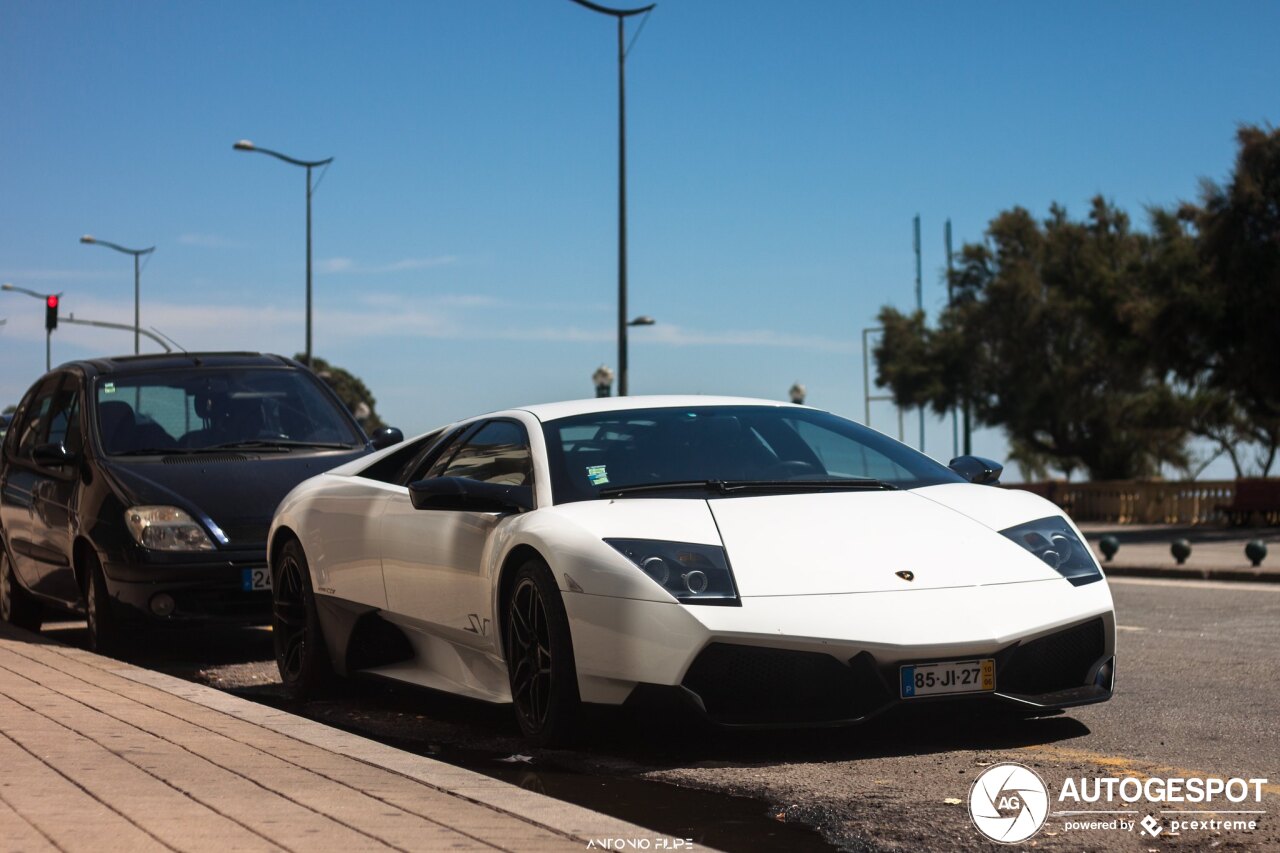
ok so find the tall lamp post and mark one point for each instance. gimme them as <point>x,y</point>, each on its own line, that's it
<point>137,280</point>
<point>51,310</point>
<point>621,15</point>
<point>246,145</point>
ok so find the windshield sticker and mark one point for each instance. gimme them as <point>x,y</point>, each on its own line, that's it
<point>109,388</point>
<point>597,475</point>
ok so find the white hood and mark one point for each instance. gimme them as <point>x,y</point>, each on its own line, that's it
<point>847,542</point>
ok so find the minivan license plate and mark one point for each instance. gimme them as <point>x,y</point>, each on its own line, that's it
<point>252,580</point>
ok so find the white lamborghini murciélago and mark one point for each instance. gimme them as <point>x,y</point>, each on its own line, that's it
<point>763,564</point>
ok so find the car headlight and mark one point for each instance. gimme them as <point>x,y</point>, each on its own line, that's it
<point>694,574</point>
<point>1053,541</point>
<point>166,528</point>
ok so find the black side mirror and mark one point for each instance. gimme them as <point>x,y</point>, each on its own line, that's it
<point>52,455</point>
<point>459,493</point>
<point>977,470</point>
<point>386,437</point>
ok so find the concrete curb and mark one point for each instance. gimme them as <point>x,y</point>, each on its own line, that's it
<point>1192,574</point>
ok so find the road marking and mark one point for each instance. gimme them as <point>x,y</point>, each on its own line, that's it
<point>1242,586</point>
<point>1129,628</point>
<point>1127,766</point>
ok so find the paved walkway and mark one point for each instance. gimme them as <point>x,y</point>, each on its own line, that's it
<point>1217,553</point>
<point>98,755</point>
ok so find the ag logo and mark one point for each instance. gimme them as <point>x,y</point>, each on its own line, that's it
<point>906,576</point>
<point>1008,803</point>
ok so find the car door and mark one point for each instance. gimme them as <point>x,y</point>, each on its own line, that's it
<point>434,562</point>
<point>20,479</point>
<point>55,495</point>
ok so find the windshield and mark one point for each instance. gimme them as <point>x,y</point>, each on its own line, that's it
<point>193,409</point>
<point>608,451</point>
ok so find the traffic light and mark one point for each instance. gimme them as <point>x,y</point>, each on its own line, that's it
<point>51,312</point>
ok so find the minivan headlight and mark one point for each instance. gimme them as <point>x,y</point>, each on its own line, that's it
<point>166,528</point>
<point>694,574</point>
<point>1056,544</point>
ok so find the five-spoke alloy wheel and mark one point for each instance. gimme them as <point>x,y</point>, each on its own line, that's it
<point>295,629</point>
<point>539,650</point>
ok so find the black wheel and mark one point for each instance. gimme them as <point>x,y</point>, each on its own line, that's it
<point>301,655</point>
<point>544,679</point>
<point>106,628</point>
<point>17,606</point>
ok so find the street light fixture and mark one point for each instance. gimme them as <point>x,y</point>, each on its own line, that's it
<point>51,302</point>
<point>137,278</point>
<point>621,15</point>
<point>246,145</point>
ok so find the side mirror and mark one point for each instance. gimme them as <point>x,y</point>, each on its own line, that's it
<point>461,494</point>
<point>977,470</point>
<point>386,437</point>
<point>52,455</point>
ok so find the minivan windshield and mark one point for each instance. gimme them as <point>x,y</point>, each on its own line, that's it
<point>198,408</point>
<point>730,449</point>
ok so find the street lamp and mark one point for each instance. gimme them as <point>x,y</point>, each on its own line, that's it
<point>137,278</point>
<point>246,145</point>
<point>51,310</point>
<point>620,15</point>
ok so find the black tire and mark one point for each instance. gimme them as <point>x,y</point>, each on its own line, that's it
<point>17,606</point>
<point>106,627</point>
<point>301,655</point>
<point>539,651</point>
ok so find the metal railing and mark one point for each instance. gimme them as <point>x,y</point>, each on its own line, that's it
<point>1137,501</point>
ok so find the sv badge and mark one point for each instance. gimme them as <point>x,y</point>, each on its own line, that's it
<point>906,576</point>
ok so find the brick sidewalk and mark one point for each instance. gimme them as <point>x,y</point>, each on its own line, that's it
<point>99,755</point>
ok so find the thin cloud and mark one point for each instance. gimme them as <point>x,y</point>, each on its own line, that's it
<point>19,276</point>
<point>210,241</point>
<point>340,266</point>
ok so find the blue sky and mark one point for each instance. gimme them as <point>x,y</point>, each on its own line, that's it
<point>465,236</point>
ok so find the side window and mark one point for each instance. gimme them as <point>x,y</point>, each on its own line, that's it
<point>64,418</point>
<point>388,468</point>
<point>35,420</point>
<point>432,458</point>
<point>497,453</point>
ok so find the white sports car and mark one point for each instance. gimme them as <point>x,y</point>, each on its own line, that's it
<point>764,564</point>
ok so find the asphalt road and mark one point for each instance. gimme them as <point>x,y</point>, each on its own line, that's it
<point>1198,695</point>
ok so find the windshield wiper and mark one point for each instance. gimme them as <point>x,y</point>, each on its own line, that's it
<point>729,487</point>
<point>152,451</point>
<point>282,443</point>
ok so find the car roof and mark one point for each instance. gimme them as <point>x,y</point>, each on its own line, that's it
<point>569,408</point>
<point>171,360</point>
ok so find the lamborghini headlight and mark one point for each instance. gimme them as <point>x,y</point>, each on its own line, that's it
<point>694,574</point>
<point>1053,541</point>
<point>166,528</point>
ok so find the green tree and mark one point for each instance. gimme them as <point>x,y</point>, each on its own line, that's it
<point>1045,339</point>
<point>1219,285</point>
<point>351,390</point>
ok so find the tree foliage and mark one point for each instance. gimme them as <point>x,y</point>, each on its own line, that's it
<point>350,389</point>
<point>1100,347</point>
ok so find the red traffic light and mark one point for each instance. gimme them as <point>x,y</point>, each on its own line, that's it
<point>51,312</point>
<point>52,300</point>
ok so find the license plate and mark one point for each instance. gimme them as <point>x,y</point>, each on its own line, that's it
<point>252,580</point>
<point>934,679</point>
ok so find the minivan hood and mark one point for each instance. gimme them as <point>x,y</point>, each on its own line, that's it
<point>235,492</point>
<point>854,542</point>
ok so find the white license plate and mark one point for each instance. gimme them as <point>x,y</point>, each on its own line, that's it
<point>935,679</point>
<point>252,580</point>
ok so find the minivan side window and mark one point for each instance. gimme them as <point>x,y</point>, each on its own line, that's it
<point>35,420</point>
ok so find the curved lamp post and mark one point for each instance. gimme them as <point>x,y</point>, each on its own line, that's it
<point>246,145</point>
<point>137,278</point>
<point>620,15</point>
<point>48,335</point>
